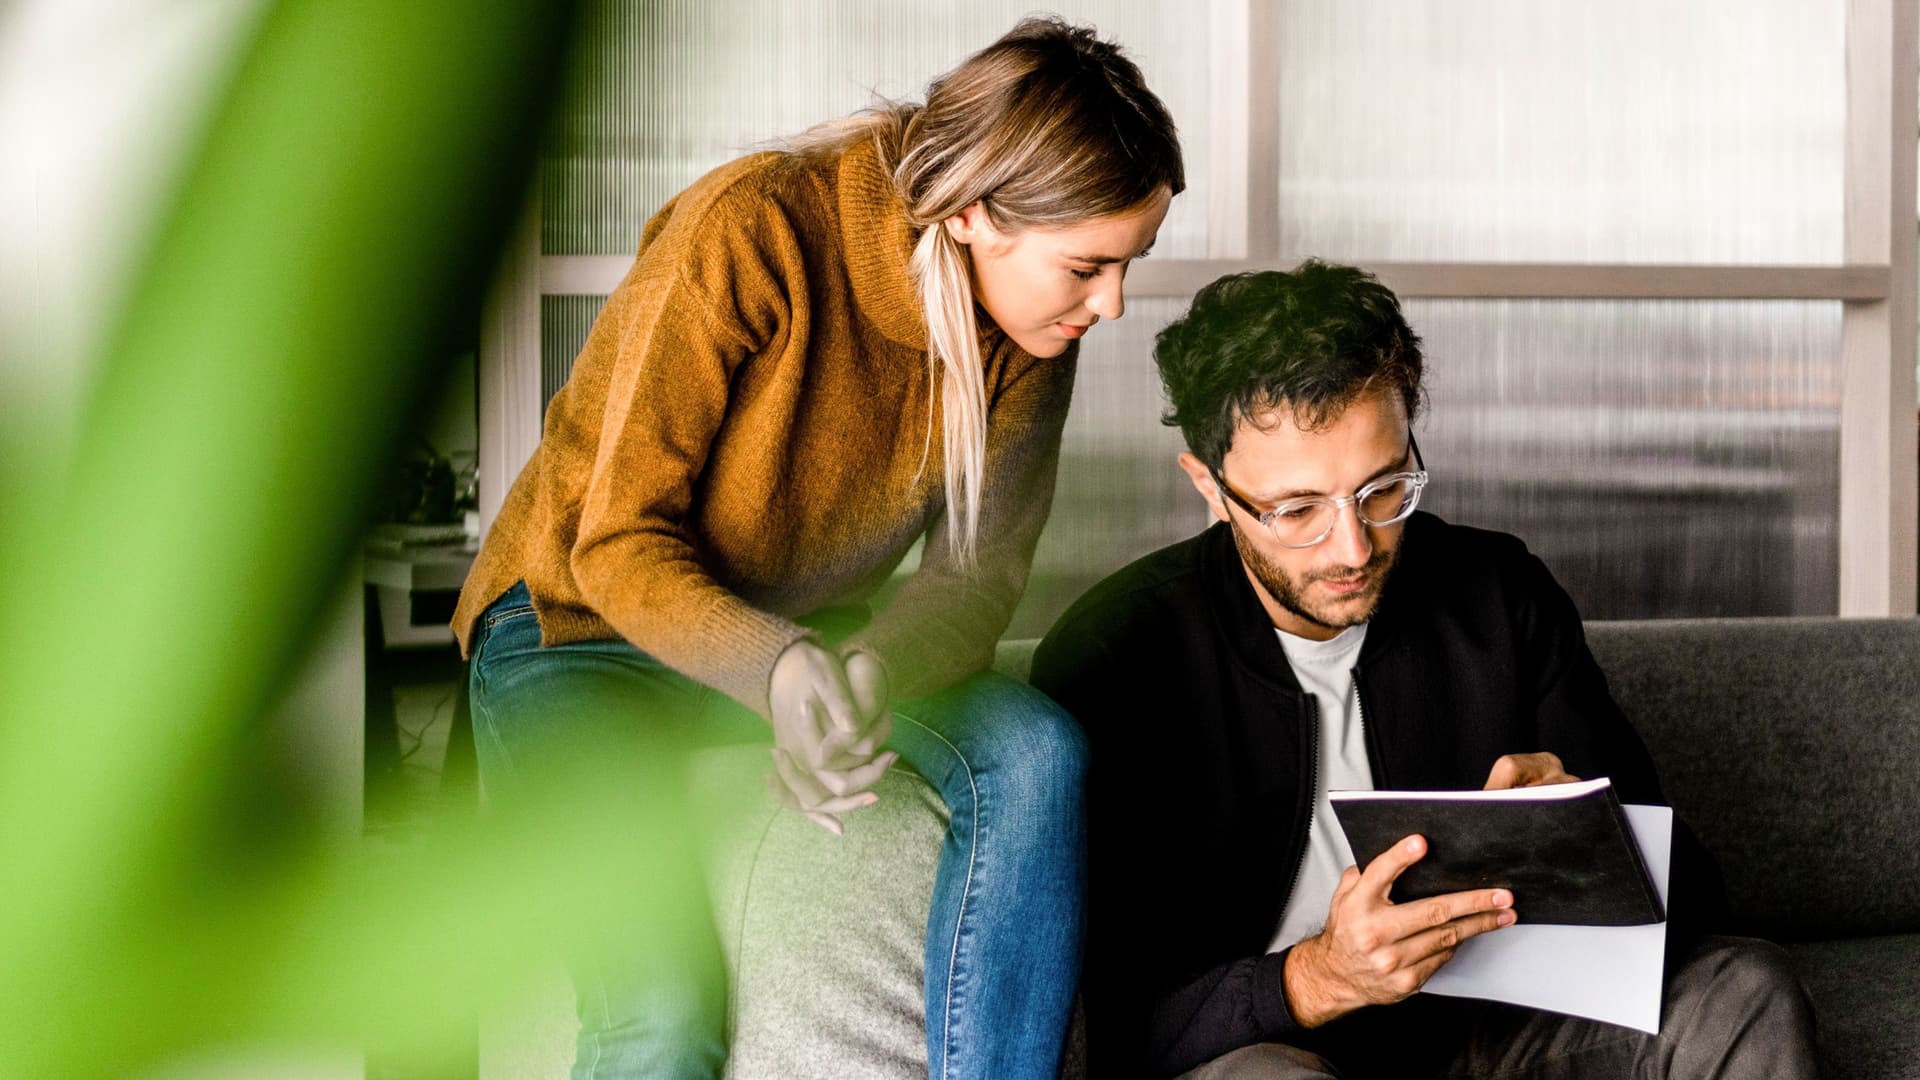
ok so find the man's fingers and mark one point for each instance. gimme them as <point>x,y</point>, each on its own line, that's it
<point>1417,975</point>
<point>1349,879</point>
<point>1504,774</point>
<point>1411,918</point>
<point>1553,778</point>
<point>1449,935</point>
<point>1528,770</point>
<point>1378,878</point>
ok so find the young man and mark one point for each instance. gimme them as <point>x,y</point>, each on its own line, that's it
<point>1324,635</point>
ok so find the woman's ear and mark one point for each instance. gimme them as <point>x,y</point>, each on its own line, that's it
<point>971,224</point>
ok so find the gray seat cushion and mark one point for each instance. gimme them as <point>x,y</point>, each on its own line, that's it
<point>1866,993</point>
<point>823,935</point>
<point>1786,744</point>
<point>828,939</point>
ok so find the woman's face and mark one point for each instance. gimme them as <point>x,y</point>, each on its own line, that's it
<point>1046,287</point>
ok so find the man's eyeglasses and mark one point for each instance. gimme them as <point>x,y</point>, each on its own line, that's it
<point>1304,522</point>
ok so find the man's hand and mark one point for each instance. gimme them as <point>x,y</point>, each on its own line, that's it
<point>1375,952</point>
<point>824,745</point>
<point>1528,770</point>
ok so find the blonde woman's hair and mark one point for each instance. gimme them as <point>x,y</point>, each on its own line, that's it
<point>1047,127</point>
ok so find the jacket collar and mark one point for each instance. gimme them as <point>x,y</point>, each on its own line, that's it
<point>1249,631</point>
<point>1236,608</point>
<point>878,240</point>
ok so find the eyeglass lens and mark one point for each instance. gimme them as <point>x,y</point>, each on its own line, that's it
<point>1381,505</point>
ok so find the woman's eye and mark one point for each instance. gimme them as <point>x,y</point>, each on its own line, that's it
<point>1083,275</point>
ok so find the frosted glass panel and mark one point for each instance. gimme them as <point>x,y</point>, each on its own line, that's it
<point>564,322</point>
<point>662,92</point>
<point>1663,458</point>
<point>1119,494</point>
<point>1563,130</point>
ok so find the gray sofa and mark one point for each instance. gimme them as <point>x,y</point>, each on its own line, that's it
<point>1790,745</point>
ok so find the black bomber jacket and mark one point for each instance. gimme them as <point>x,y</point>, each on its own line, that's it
<point>1203,748</point>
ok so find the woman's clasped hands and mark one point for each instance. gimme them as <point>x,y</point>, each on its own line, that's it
<point>830,718</point>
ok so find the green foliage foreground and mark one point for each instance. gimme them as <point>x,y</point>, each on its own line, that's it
<point>160,894</point>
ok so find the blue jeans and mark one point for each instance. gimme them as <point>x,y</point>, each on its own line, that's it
<point>1004,933</point>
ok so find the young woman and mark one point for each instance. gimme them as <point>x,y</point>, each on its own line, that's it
<point>744,452</point>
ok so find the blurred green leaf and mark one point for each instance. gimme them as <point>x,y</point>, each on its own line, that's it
<point>328,243</point>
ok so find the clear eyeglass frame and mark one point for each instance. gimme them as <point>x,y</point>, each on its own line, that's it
<point>1329,506</point>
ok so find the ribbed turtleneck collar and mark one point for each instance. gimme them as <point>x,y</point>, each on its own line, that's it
<point>879,241</point>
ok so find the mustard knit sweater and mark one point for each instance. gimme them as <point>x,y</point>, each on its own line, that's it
<point>744,440</point>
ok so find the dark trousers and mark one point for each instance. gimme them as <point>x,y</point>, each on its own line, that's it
<point>1733,1009</point>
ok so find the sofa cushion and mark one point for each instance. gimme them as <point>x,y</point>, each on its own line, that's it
<point>1787,745</point>
<point>1865,991</point>
<point>822,935</point>
<point>826,938</point>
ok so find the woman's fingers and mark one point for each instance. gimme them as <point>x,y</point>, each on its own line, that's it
<point>859,778</point>
<point>812,794</point>
<point>868,681</point>
<point>782,797</point>
<point>843,755</point>
<point>831,690</point>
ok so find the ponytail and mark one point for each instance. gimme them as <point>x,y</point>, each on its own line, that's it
<point>939,266</point>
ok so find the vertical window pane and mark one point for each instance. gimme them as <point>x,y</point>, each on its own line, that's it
<point>662,92</point>
<point>564,322</point>
<point>1672,458</point>
<point>1665,458</point>
<point>1119,493</point>
<point>1563,130</point>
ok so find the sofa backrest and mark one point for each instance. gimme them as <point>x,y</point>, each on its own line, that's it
<point>1792,747</point>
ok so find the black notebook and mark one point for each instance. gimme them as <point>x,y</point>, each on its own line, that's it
<point>1565,850</point>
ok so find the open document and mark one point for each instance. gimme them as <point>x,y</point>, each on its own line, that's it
<point>1602,972</point>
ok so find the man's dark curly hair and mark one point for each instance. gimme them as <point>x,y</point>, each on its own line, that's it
<point>1313,340</point>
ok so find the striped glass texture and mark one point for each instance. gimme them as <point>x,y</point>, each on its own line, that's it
<point>564,323</point>
<point>1665,458</point>
<point>1119,493</point>
<point>1711,131</point>
<point>660,93</point>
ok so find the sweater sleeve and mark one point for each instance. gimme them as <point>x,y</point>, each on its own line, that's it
<point>634,558</point>
<point>942,623</point>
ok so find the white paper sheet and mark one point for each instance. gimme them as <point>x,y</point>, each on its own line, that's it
<point>1610,973</point>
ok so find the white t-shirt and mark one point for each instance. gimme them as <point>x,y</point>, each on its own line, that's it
<point>1325,670</point>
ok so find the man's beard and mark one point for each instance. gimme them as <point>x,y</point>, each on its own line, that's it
<point>1288,591</point>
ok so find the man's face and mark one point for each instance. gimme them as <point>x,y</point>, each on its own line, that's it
<point>1316,591</point>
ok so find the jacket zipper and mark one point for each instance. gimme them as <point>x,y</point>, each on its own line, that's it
<point>1313,791</point>
<point>1376,763</point>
